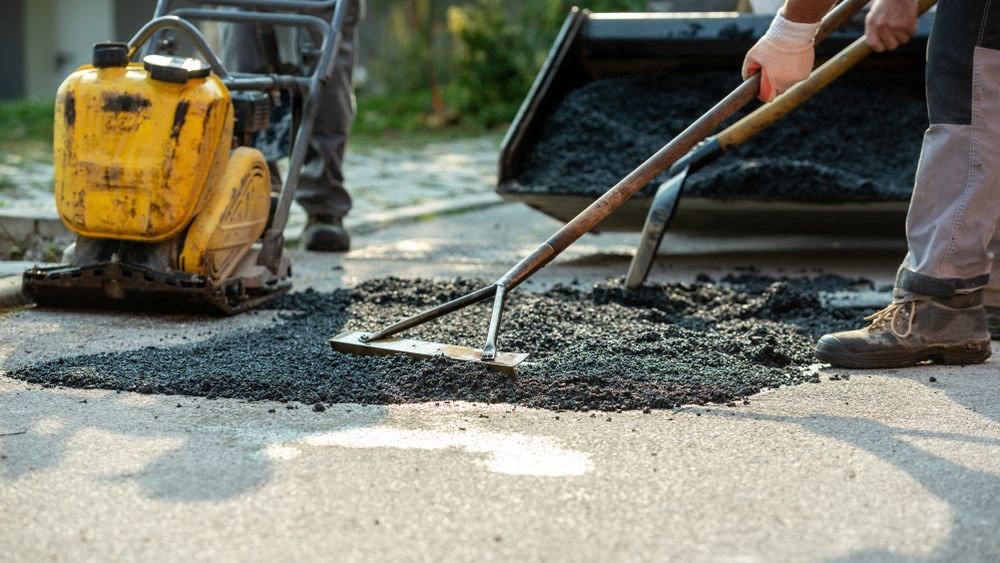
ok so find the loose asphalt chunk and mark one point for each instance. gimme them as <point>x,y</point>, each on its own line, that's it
<point>857,141</point>
<point>606,348</point>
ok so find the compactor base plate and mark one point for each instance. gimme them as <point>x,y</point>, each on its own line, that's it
<point>121,286</point>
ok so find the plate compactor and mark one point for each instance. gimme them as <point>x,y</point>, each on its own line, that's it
<point>156,172</point>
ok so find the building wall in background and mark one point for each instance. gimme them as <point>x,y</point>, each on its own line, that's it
<point>130,15</point>
<point>40,51</point>
<point>12,46</point>
<point>78,25</point>
<point>59,38</point>
<point>56,37</point>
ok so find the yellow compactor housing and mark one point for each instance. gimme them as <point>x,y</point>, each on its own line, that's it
<point>144,153</point>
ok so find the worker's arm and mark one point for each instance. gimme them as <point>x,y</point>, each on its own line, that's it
<point>786,54</point>
<point>806,11</point>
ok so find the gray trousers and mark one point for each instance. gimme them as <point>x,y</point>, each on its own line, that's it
<point>953,228</point>
<point>249,48</point>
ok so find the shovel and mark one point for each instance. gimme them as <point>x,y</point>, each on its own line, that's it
<point>668,196</point>
<point>383,342</point>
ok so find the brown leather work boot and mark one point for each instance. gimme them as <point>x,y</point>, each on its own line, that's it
<point>993,321</point>
<point>325,233</point>
<point>913,330</point>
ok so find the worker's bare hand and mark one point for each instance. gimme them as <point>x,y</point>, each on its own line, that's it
<point>891,23</point>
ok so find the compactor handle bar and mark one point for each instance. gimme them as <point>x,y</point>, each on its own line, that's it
<point>275,5</point>
<point>173,22</point>
<point>178,20</point>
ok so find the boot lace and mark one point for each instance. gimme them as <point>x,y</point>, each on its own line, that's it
<point>888,316</point>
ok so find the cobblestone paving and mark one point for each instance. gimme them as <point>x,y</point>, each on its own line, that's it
<point>379,178</point>
<point>26,181</point>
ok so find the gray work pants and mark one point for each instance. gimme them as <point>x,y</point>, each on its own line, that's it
<point>952,228</point>
<point>321,188</point>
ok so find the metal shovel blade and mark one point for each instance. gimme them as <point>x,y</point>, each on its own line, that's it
<point>351,343</point>
<point>661,212</point>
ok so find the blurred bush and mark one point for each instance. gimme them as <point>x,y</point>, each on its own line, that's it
<point>22,120</point>
<point>495,60</point>
<point>469,61</point>
<point>501,46</point>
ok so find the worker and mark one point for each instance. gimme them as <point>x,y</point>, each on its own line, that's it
<point>321,192</point>
<point>945,304</point>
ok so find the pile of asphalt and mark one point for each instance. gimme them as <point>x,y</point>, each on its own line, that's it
<point>858,141</point>
<point>606,348</point>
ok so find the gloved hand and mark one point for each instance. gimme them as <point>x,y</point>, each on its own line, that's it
<point>784,56</point>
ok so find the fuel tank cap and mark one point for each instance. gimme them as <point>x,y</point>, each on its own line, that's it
<point>177,70</point>
<point>110,54</point>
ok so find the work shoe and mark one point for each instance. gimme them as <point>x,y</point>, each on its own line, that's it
<point>993,321</point>
<point>914,330</point>
<point>326,233</point>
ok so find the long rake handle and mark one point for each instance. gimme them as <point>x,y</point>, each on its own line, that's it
<point>613,199</point>
<point>663,159</point>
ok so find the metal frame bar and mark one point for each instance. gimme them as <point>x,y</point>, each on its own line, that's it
<point>259,12</point>
<point>275,5</point>
<point>142,37</point>
<point>315,23</point>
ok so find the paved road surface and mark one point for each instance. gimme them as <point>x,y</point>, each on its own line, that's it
<point>885,466</point>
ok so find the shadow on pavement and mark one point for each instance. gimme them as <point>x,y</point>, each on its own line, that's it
<point>972,494</point>
<point>198,450</point>
<point>33,335</point>
<point>205,449</point>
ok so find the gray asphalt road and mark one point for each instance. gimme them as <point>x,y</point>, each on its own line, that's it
<point>885,466</point>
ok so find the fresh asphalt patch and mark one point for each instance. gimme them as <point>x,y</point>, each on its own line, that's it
<point>857,141</point>
<point>603,348</point>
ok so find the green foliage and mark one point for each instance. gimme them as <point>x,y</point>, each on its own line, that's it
<point>496,60</point>
<point>501,47</point>
<point>26,121</point>
<point>389,112</point>
<point>467,61</point>
<point>409,53</point>
<point>406,120</point>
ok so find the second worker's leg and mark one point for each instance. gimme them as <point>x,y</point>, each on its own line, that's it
<point>243,50</point>
<point>321,190</point>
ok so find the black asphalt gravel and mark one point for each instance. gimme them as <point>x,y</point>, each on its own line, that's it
<point>606,348</point>
<point>858,141</point>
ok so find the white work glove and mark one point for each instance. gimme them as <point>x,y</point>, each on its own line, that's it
<point>784,56</point>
